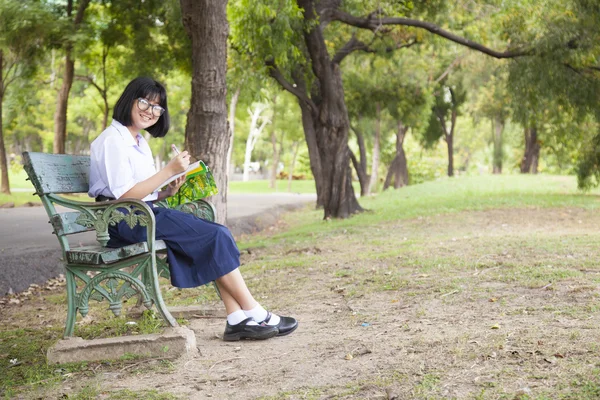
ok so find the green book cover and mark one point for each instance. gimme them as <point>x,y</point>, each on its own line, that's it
<point>199,184</point>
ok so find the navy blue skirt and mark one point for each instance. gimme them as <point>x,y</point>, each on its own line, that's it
<point>198,251</point>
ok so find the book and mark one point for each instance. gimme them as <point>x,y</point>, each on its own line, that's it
<point>192,168</point>
<point>199,184</point>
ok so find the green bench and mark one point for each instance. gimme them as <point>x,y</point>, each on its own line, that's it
<point>98,272</point>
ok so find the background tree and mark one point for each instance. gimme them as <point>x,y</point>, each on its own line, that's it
<point>73,14</point>
<point>22,34</point>
<point>308,66</point>
<point>449,97</point>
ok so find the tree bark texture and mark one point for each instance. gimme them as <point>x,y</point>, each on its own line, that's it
<point>206,134</point>
<point>398,168</point>
<point>325,122</point>
<point>62,100</point>
<point>529,163</point>
<point>5,186</point>
<point>497,129</point>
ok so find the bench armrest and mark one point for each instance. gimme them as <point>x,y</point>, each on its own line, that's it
<point>200,208</point>
<point>99,215</point>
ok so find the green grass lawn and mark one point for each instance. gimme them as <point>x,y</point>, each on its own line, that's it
<point>451,195</point>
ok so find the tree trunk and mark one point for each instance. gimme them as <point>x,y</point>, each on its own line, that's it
<point>206,133</point>
<point>295,147</point>
<point>273,177</point>
<point>361,165</point>
<point>497,129</point>
<point>450,143</point>
<point>255,131</point>
<point>529,163</point>
<point>60,115</point>
<point>232,108</point>
<point>5,186</point>
<point>398,167</point>
<point>375,154</point>
<point>326,124</point>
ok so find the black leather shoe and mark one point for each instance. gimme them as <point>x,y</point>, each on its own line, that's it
<point>285,326</point>
<point>245,331</point>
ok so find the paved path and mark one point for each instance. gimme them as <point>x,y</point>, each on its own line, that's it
<point>30,253</point>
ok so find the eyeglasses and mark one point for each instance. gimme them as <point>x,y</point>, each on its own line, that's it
<point>144,104</point>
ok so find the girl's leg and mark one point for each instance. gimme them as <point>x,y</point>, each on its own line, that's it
<point>235,293</point>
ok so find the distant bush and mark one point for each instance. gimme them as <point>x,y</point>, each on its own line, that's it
<point>295,177</point>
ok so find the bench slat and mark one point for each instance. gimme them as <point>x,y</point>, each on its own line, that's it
<point>98,255</point>
<point>57,173</point>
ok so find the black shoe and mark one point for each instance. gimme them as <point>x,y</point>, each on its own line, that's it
<point>285,326</point>
<point>245,331</point>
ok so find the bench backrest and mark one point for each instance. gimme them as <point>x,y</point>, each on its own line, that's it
<point>57,173</point>
<point>53,174</point>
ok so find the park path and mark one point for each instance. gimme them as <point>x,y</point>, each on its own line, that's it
<point>29,252</point>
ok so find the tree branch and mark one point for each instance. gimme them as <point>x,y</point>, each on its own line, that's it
<point>354,44</point>
<point>374,23</point>
<point>80,11</point>
<point>447,71</point>
<point>90,81</point>
<point>278,76</point>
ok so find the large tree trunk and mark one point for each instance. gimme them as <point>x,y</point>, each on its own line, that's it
<point>206,133</point>
<point>330,125</point>
<point>497,129</point>
<point>529,163</point>
<point>5,186</point>
<point>375,154</point>
<point>60,115</point>
<point>398,167</point>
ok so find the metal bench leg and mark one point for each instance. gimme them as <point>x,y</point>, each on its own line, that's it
<point>71,304</point>
<point>157,295</point>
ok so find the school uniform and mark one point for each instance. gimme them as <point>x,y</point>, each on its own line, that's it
<point>198,251</point>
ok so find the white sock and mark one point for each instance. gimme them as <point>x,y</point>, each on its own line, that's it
<point>259,314</point>
<point>238,316</point>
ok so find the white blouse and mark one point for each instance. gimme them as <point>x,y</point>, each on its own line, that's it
<point>118,163</point>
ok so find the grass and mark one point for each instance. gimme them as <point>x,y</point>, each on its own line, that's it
<point>446,196</point>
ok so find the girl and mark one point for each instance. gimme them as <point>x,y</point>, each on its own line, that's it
<point>198,251</point>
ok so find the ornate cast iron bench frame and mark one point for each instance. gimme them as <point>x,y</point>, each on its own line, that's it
<point>118,273</point>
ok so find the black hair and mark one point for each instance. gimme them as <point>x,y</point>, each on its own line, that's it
<point>146,88</point>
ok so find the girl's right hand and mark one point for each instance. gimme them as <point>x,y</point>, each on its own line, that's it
<point>179,163</point>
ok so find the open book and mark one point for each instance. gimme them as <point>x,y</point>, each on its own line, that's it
<point>198,166</point>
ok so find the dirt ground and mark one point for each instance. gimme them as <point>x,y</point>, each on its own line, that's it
<point>484,304</point>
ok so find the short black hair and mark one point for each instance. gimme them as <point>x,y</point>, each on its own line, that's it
<point>146,88</point>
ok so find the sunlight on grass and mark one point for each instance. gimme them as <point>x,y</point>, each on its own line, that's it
<point>448,195</point>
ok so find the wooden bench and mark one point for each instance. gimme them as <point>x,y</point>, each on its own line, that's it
<point>117,273</point>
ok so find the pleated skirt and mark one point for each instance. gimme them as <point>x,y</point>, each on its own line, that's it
<point>198,251</point>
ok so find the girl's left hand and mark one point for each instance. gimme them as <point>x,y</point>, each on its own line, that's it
<point>174,186</point>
